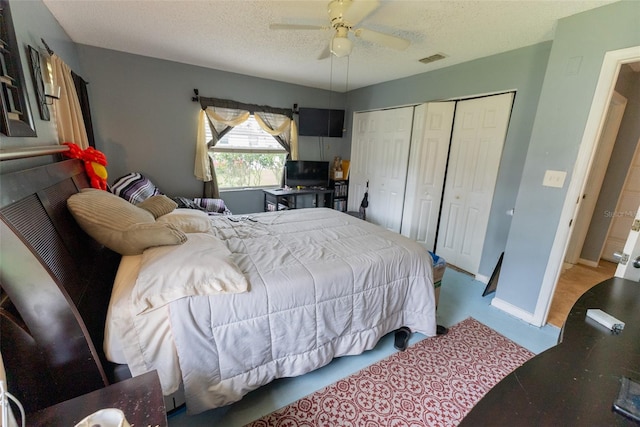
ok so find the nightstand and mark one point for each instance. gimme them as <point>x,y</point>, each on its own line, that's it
<point>140,398</point>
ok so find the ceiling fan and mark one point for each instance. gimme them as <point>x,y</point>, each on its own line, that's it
<point>344,16</point>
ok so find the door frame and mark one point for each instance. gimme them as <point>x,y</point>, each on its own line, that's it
<point>611,64</point>
<point>631,248</point>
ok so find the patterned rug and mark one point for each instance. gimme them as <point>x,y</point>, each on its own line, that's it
<point>435,382</point>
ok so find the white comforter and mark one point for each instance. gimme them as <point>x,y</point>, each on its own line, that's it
<point>322,284</point>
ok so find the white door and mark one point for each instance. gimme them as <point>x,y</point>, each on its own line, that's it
<point>479,131</point>
<point>630,268</point>
<point>430,139</point>
<point>386,189</point>
<point>380,149</point>
<point>622,218</point>
<point>362,141</point>
<point>597,172</point>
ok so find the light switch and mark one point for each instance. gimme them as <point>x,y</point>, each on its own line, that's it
<point>554,178</point>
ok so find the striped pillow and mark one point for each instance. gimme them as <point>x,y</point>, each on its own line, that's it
<point>212,205</point>
<point>134,187</point>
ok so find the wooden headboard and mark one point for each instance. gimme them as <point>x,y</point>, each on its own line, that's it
<point>56,283</point>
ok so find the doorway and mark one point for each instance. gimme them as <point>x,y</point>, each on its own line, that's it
<point>589,256</point>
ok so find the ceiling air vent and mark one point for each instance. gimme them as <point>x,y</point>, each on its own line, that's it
<point>432,58</point>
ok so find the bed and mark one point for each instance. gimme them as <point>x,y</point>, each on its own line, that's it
<point>318,284</point>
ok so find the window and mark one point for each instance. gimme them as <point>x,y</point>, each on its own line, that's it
<point>247,156</point>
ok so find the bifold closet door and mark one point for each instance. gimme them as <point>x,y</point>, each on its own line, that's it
<point>432,123</point>
<point>380,153</point>
<point>479,130</point>
<point>362,138</point>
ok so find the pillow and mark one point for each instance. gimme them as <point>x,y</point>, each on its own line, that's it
<point>202,266</point>
<point>134,187</point>
<point>119,225</point>
<point>188,220</point>
<point>158,205</point>
<point>212,205</point>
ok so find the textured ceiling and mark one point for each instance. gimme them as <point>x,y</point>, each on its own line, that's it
<point>235,36</point>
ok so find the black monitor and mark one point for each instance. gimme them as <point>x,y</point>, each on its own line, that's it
<point>306,173</point>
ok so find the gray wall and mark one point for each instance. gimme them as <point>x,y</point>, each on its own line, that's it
<point>521,70</point>
<point>33,21</point>
<point>565,101</point>
<point>628,85</point>
<point>145,121</point>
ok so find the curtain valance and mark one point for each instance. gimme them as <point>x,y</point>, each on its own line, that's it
<point>235,105</point>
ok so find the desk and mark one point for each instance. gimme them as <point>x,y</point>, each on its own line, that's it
<point>575,382</point>
<point>140,398</point>
<point>287,199</point>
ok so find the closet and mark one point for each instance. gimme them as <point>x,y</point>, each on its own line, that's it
<point>430,171</point>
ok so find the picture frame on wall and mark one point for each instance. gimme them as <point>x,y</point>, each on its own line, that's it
<point>15,112</point>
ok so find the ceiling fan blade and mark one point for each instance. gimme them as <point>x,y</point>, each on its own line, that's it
<point>358,10</point>
<point>326,52</point>
<point>382,39</point>
<point>297,27</point>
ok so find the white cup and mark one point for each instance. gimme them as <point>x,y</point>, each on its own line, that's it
<point>110,417</point>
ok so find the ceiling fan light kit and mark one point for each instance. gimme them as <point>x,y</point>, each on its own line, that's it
<point>341,46</point>
<point>344,15</point>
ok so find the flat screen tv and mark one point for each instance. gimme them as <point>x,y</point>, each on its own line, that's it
<point>306,173</point>
<point>320,122</point>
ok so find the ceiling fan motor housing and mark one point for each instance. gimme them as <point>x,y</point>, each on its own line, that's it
<point>336,13</point>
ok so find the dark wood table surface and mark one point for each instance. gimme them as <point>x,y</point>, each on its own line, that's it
<point>140,398</point>
<point>576,382</point>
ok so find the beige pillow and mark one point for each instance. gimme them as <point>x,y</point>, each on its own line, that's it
<point>188,220</point>
<point>158,205</point>
<point>120,225</point>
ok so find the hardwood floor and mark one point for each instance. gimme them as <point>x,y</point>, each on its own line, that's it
<point>573,282</point>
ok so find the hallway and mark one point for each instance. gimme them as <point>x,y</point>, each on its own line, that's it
<point>573,282</point>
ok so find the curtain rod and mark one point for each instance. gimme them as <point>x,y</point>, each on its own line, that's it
<point>49,51</point>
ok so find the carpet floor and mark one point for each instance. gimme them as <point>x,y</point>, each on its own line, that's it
<point>435,382</point>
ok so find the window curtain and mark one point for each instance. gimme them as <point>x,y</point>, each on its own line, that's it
<point>83,99</point>
<point>222,116</point>
<point>69,120</point>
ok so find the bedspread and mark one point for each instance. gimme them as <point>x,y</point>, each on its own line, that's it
<point>322,284</point>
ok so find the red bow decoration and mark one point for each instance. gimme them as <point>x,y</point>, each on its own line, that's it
<point>95,163</point>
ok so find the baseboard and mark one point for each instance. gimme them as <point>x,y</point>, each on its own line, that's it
<point>588,262</point>
<point>482,278</point>
<point>514,311</point>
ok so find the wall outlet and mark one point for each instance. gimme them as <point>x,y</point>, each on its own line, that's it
<point>554,178</point>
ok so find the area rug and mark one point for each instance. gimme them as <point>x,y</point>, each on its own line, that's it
<point>435,382</point>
